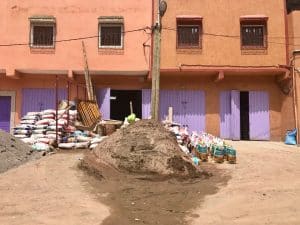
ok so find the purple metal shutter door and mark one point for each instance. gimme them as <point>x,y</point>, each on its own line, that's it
<point>38,99</point>
<point>146,103</point>
<point>188,108</point>
<point>5,107</point>
<point>103,98</point>
<point>193,106</point>
<point>259,117</point>
<point>170,98</point>
<point>235,133</point>
<point>225,114</point>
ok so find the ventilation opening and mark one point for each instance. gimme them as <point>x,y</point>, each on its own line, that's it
<point>120,103</point>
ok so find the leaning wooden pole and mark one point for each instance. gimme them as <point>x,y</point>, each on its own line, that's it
<point>88,81</point>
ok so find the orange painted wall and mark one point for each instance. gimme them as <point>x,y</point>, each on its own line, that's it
<point>294,33</point>
<point>75,18</point>
<point>223,17</point>
<point>212,93</point>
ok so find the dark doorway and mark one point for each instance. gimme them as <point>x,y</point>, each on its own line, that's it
<point>120,103</point>
<point>244,101</point>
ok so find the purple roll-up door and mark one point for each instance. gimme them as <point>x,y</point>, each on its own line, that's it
<point>103,99</point>
<point>38,99</point>
<point>146,103</point>
<point>188,108</point>
<point>259,117</point>
<point>5,108</point>
<point>235,131</point>
<point>225,115</point>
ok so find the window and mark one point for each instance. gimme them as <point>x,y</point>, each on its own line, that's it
<point>42,32</point>
<point>253,34</point>
<point>111,30</point>
<point>189,33</point>
<point>111,35</point>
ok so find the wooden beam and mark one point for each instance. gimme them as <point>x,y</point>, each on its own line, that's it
<point>12,74</point>
<point>220,76</point>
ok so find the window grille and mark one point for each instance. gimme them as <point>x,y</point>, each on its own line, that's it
<point>42,36</point>
<point>189,33</point>
<point>110,35</point>
<point>253,35</point>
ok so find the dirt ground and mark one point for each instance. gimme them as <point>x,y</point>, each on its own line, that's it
<point>262,188</point>
<point>49,191</point>
<point>149,199</point>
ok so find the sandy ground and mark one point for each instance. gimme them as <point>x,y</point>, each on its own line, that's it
<point>48,191</point>
<point>264,188</point>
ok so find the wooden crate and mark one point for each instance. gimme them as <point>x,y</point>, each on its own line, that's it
<point>89,113</point>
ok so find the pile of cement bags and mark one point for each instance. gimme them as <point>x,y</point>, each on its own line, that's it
<point>38,129</point>
<point>201,145</point>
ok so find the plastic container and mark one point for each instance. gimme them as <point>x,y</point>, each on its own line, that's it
<point>290,138</point>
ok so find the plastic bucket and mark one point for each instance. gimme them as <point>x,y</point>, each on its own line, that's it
<point>231,155</point>
<point>202,149</point>
<point>219,155</point>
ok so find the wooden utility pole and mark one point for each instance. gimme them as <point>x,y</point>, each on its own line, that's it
<point>88,80</point>
<point>161,8</point>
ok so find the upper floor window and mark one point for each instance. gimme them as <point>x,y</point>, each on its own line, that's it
<point>254,34</point>
<point>189,33</point>
<point>111,32</point>
<point>42,32</point>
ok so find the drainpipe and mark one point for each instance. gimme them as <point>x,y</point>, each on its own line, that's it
<point>295,94</point>
<point>286,32</point>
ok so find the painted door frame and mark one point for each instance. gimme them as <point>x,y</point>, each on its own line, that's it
<point>11,94</point>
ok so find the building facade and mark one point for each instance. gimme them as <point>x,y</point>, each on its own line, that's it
<point>225,65</point>
<point>294,50</point>
<point>43,39</point>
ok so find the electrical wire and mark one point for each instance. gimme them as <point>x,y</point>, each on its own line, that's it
<point>77,39</point>
<point>238,37</point>
<point>149,28</point>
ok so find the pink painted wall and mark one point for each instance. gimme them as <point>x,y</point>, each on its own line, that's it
<point>75,18</point>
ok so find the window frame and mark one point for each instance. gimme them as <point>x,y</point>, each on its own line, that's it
<point>254,23</point>
<point>42,24</point>
<point>188,22</point>
<point>108,24</point>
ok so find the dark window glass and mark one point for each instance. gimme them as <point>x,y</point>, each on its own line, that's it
<point>188,35</point>
<point>43,36</point>
<point>253,35</point>
<point>111,36</point>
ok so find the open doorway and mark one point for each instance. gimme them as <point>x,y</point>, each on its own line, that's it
<point>244,109</point>
<point>120,103</point>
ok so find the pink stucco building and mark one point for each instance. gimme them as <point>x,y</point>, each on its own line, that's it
<point>225,67</point>
<point>119,58</point>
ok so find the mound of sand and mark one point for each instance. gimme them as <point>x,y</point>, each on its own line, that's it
<point>144,147</point>
<point>14,152</point>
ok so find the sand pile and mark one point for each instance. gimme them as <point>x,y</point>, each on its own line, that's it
<point>144,147</point>
<point>14,152</point>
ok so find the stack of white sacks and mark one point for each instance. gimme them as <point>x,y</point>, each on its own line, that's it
<point>38,129</point>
